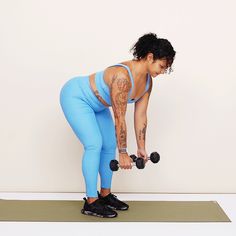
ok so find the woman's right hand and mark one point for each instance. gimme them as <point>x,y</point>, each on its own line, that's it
<point>125,161</point>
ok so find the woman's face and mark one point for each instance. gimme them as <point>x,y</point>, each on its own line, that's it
<point>159,66</point>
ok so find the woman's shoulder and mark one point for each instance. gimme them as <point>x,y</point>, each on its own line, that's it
<point>113,71</point>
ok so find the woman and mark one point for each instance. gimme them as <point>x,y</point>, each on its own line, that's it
<point>85,101</point>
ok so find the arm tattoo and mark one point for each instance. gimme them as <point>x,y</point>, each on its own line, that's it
<point>122,136</point>
<point>119,95</point>
<point>142,132</point>
<point>119,89</point>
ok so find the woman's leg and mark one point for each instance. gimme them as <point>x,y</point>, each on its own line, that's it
<point>82,120</point>
<point>108,152</point>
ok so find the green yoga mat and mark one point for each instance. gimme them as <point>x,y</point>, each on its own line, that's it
<point>139,211</point>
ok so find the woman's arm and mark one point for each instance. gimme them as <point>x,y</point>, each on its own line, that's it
<point>119,89</point>
<point>140,118</point>
<point>140,124</point>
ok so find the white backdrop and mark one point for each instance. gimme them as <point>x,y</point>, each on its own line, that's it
<point>191,114</point>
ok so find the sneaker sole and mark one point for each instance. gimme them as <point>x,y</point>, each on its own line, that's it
<point>96,214</point>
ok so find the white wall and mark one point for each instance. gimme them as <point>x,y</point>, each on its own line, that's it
<point>191,115</point>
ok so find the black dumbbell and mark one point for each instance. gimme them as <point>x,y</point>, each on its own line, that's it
<point>138,161</point>
<point>114,165</point>
<point>154,157</point>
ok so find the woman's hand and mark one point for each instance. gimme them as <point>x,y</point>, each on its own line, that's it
<point>141,152</point>
<point>125,161</point>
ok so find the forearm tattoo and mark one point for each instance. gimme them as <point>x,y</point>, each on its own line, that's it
<point>122,136</point>
<point>142,132</point>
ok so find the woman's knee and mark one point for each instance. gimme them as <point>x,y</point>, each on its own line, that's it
<point>94,145</point>
<point>109,147</point>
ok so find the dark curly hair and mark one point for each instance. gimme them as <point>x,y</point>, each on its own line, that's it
<point>161,48</point>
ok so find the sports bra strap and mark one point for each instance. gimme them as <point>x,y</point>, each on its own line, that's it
<point>146,88</point>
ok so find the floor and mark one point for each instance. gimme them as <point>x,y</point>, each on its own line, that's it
<point>226,201</point>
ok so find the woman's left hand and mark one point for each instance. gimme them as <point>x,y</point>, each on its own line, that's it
<point>141,152</point>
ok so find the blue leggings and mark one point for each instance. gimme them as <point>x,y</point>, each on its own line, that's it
<point>93,125</point>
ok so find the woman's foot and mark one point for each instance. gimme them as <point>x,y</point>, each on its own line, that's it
<point>113,202</point>
<point>98,208</point>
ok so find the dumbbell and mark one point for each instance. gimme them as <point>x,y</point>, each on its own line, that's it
<point>138,161</point>
<point>154,157</point>
<point>114,165</point>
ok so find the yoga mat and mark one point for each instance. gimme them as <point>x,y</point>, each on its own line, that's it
<point>139,211</point>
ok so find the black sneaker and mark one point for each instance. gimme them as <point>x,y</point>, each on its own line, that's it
<point>113,202</point>
<point>98,208</point>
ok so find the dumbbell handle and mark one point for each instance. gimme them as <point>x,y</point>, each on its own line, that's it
<point>132,164</point>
